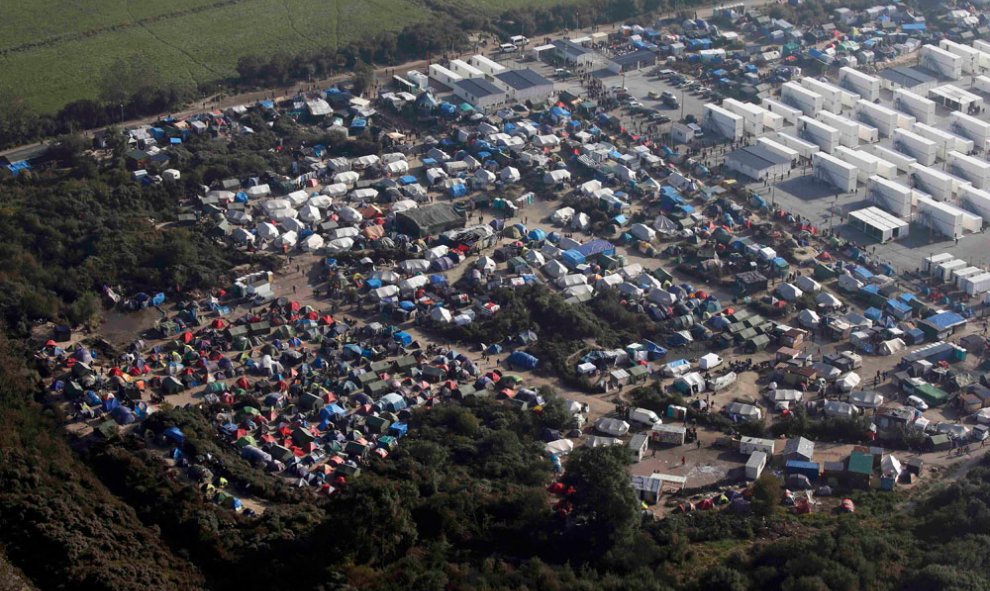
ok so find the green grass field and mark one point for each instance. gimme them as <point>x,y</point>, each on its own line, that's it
<point>55,51</point>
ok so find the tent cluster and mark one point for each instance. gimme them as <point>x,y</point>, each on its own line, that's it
<point>297,391</point>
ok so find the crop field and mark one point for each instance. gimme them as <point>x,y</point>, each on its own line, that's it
<point>55,51</point>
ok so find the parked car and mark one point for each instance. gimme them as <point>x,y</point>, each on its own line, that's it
<point>917,402</point>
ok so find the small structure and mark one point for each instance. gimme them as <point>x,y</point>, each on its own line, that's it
<point>799,448</point>
<point>755,464</point>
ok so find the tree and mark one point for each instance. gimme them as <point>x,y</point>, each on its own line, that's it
<point>364,77</point>
<point>766,494</point>
<point>604,503</point>
<point>722,578</point>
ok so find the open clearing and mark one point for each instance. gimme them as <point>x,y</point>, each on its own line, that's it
<point>53,52</point>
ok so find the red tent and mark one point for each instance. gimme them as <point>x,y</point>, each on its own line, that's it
<point>218,323</point>
<point>186,337</point>
<point>242,383</point>
<point>50,343</point>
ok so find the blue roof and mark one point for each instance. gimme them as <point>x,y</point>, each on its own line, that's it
<point>801,465</point>
<point>945,320</point>
<point>898,306</point>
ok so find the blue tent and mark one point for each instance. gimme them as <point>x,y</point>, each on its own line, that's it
<point>123,415</point>
<point>331,411</point>
<point>398,429</point>
<point>403,338</point>
<point>572,258</point>
<point>537,234</point>
<point>458,190</point>
<point>407,179</point>
<point>522,359</point>
<point>175,435</point>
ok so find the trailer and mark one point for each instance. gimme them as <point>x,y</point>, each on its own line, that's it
<point>818,133</point>
<point>866,86</point>
<point>890,196</point>
<point>878,224</point>
<point>749,445</point>
<point>970,57</point>
<point>722,122</point>
<point>465,70</point>
<point>976,284</point>
<point>884,119</point>
<point>867,164</point>
<point>976,201</point>
<point>752,115</point>
<point>810,103</point>
<point>982,84</point>
<point>802,147</point>
<point>945,142</point>
<point>942,62</point>
<point>901,161</point>
<point>669,434</point>
<point>940,217</point>
<point>490,67</point>
<point>934,182</point>
<point>960,274</point>
<point>972,128</point>
<point>779,149</point>
<point>974,170</point>
<point>915,105</point>
<point>920,148</point>
<point>755,464</point>
<point>443,75</point>
<point>789,113</point>
<point>848,130</point>
<point>929,263</point>
<point>943,271</point>
<point>834,99</point>
<point>835,172</point>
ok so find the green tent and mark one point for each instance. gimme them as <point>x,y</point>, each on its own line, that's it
<point>172,385</point>
<point>216,388</point>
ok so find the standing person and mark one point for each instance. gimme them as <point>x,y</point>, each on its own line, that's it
<point>683,460</point>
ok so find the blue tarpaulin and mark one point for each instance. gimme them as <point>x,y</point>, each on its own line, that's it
<point>522,359</point>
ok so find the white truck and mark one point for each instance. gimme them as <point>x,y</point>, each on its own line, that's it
<point>644,416</point>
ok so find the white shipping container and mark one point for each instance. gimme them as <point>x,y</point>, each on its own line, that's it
<point>976,201</point>
<point>810,103</point>
<point>919,107</point>
<point>920,148</point>
<point>932,261</point>
<point>779,149</point>
<point>974,170</point>
<point>884,119</point>
<point>944,270</point>
<point>802,147</point>
<point>890,196</point>
<point>789,113</point>
<point>835,172</point>
<point>903,162</point>
<point>941,62</point>
<point>848,129</point>
<point>931,181</point>
<point>960,274</point>
<point>976,284</point>
<point>972,128</point>
<point>822,135</point>
<point>940,217</point>
<point>755,464</point>
<point>868,87</point>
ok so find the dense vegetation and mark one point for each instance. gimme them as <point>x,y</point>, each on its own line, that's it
<point>190,62</point>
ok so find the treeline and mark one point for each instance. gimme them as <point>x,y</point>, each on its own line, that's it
<point>132,88</point>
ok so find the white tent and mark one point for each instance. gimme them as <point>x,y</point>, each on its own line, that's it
<point>242,235</point>
<point>340,244</point>
<point>613,427</point>
<point>664,225</point>
<point>580,290</point>
<point>572,280</point>
<point>807,284</point>
<point>630,290</point>
<point>388,277</point>
<point>535,258</point>
<point>365,194</point>
<point>709,361</point>
<point>609,281</point>
<point>560,447</point>
<point>555,176</point>
<point>267,231</point>
<point>292,225</point>
<point>827,300</point>
<point>808,318</point>
<point>349,215</point>
<point>310,213</point>
<point>312,243</point>
<point>345,232</point>
<point>849,381</point>
<point>404,205</point>
<point>385,291</point>
<point>297,198</point>
<point>891,347</point>
<point>865,399</point>
<point>258,191</point>
<point>509,174</point>
<point>410,266</point>
<point>287,240</point>
<point>321,201</point>
<point>413,283</point>
<point>789,292</point>
<point>643,232</point>
<point>826,371</point>
<point>275,204</point>
<point>554,269</point>
<point>890,466</point>
<point>397,167</point>
<point>335,190</point>
<point>348,177</point>
<point>442,315</point>
<point>581,221</point>
<point>563,215</point>
<point>486,264</point>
